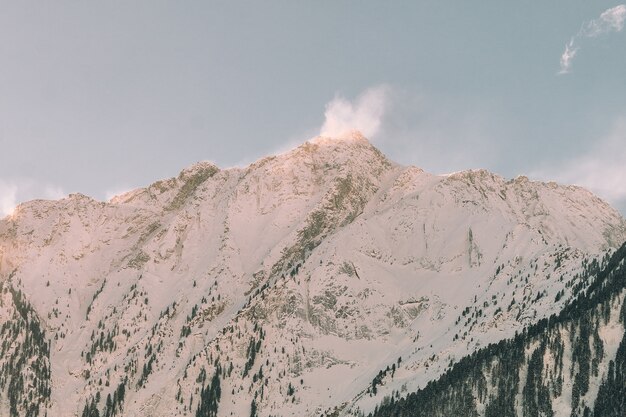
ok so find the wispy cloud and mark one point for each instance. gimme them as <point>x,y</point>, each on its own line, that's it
<point>15,191</point>
<point>601,169</point>
<point>568,56</point>
<point>611,20</point>
<point>441,133</point>
<point>365,113</point>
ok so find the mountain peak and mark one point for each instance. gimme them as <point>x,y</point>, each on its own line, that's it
<point>348,151</point>
<point>351,142</point>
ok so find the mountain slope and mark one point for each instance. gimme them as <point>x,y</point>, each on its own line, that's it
<point>572,364</point>
<point>291,283</point>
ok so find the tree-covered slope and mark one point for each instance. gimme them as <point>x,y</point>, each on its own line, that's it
<point>573,364</point>
<point>24,356</point>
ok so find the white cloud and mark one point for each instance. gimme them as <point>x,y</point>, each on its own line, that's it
<point>611,20</point>
<point>601,169</point>
<point>15,191</point>
<point>568,56</point>
<point>365,113</point>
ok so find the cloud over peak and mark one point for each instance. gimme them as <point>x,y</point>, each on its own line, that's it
<point>365,113</point>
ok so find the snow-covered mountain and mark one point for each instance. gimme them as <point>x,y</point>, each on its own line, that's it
<point>316,281</point>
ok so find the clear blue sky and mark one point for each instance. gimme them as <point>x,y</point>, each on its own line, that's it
<point>99,97</point>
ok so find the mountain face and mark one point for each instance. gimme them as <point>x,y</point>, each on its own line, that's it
<point>324,280</point>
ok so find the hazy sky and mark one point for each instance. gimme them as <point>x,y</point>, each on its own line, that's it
<point>101,97</point>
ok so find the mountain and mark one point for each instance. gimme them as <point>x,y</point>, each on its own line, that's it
<point>318,281</point>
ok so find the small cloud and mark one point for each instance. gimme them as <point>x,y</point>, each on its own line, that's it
<point>568,56</point>
<point>365,113</point>
<point>13,192</point>
<point>611,20</point>
<point>601,169</point>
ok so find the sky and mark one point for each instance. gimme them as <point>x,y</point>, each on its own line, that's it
<point>103,97</point>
